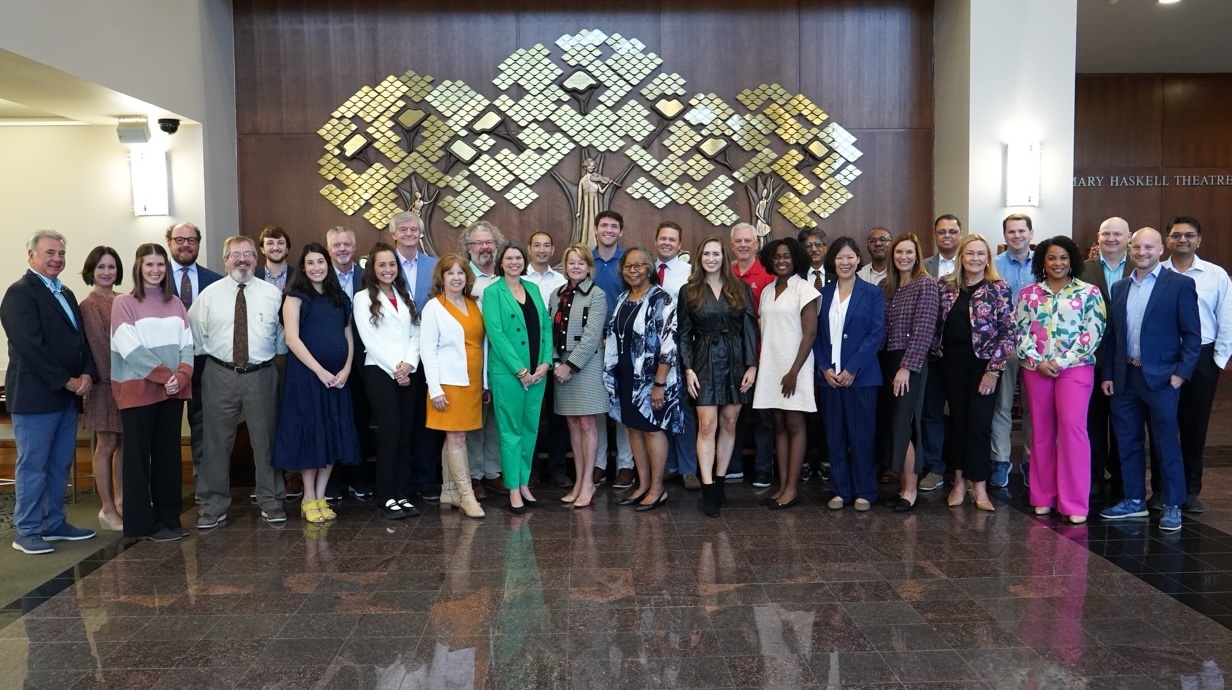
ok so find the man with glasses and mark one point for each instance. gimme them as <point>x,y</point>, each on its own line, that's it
<point>1198,394</point>
<point>236,327</point>
<point>1014,265</point>
<point>878,245</point>
<point>817,461</point>
<point>478,244</point>
<point>188,279</point>
<point>930,410</point>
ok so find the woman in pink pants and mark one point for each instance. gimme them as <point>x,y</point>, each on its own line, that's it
<point>1060,321</point>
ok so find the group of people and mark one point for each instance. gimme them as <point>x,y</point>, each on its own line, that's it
<point>460,357</point>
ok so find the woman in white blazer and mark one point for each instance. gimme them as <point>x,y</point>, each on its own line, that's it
<point>452,338</point>
<point>388,324</point>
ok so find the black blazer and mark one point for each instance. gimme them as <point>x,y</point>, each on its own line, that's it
<point>205,278</point>
<point>1093,272</point>
<point>45,350</point>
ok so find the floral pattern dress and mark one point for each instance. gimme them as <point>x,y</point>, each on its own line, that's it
<point>646,338</point>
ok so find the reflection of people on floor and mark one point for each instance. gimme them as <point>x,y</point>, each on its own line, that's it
<point>459,623</point>
<point>1050,620</point>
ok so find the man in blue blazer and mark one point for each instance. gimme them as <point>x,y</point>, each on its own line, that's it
<point>1151,349</point>
<point>50,371</point>
<point>188,279</point>
<point>405,230</point>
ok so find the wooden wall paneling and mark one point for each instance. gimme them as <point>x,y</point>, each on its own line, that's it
<point>1211,205</point>
<point>1197,125</point>
<point>885,193</point>
<point>869,64</point>
<point>298,61</point>
<point>1118,121</point>
<point>1139,206</point>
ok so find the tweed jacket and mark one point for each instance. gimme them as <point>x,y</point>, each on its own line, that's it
<point>584,325</point>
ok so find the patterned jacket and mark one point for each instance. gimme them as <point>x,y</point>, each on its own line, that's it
<point>992,320</point>
<point>654,327</point>
<point>1067,326</point>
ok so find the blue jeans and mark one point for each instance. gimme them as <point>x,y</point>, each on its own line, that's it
<point>46,443</point>
<point>682,447</point>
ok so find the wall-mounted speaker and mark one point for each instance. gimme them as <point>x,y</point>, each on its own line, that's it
<point>133,130</point>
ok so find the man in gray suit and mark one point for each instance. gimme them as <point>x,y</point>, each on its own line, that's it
<point>930,410</point>
<point>1111,265</point>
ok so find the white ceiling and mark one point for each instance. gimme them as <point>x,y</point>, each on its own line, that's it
<point>1125,36</point>
<point>1143,36</point>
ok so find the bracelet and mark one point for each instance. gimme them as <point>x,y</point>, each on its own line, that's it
<point>522,373</point>
<point>994,374</point>
<point>660,384</point>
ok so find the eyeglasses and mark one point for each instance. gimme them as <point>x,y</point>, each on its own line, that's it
<point>481,243</point>
<point>637,266</point>
<point>242,255</point>
<point>181,241</point>
<point>949,232</point>
<point>814,244</point>
<point>879,240</point>
<point>1182,235</point>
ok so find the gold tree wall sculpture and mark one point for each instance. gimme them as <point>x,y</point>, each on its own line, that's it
<point>410,142</point>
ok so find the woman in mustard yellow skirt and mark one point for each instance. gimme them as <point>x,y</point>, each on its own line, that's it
<point>451,348</point>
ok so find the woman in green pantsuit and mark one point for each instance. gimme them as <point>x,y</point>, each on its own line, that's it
<point>519,357</point>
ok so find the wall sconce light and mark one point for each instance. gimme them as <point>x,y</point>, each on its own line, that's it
<point>148,169</point>
<point>1022,174</point>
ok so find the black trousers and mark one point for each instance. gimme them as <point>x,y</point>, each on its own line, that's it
<point>426,443</point>
<point>393,408</point>
<point>1105,458</point>
<point>1193,415</point>
<point>553,437</point>
<point>152,467</point>
<point>970,413</point>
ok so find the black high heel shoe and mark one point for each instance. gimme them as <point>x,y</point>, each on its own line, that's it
<point>644,507</point>
<point>518,510</point>
<point>630,500</point>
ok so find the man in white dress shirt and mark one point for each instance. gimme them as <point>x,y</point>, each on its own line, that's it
<point>235,325</point>
<point>1197,396</point>
<point>672,273</point>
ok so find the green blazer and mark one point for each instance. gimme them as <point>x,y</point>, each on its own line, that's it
<point>508,348</point>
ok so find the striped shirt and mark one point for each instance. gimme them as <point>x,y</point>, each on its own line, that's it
<point>150,341</point>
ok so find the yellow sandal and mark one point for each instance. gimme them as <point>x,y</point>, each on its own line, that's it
<point>326,511</point>
<point>311,512</point>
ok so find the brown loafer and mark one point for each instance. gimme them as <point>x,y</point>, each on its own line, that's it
<point>495,486</point>
<point>477,489</point>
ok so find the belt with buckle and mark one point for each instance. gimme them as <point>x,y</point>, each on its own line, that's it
<point>1134,361</point>
<point>241,369</point>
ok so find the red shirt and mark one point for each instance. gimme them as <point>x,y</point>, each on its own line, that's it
<point>757,278</point>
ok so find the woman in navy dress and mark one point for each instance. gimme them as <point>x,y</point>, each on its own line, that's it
<point>316,428</point>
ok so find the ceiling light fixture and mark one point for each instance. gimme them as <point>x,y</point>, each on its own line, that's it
<point>1168,2</point>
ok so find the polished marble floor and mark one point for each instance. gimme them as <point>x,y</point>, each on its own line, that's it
<point>604,597</point>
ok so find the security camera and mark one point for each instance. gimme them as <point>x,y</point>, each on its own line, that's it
<point>170,125</point>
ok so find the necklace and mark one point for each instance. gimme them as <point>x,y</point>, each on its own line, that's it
<point>624,322</point>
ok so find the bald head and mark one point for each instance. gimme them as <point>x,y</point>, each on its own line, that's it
<point>1113,239</point>
<point>1146,248</point>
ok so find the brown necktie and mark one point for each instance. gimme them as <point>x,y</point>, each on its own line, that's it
<point>185,288</point>
<point>239,342</point>
<point>817,279</point>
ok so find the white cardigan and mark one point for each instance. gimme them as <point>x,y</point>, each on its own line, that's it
<point>443,344</point>
<point>394,338</point>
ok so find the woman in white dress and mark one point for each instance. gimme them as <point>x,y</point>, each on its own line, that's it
<point>788,314</point>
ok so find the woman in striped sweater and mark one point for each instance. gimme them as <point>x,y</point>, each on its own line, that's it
<point>151,375</point>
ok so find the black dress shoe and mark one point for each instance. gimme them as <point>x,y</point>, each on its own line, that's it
<point>408,508</point>
<point>775,505</point>
<point>529,503</point>
<point>902,505</point>
<point>630,500</point>
<point>646,507</point>
<point>518,510</point>
<point>392,510</point>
